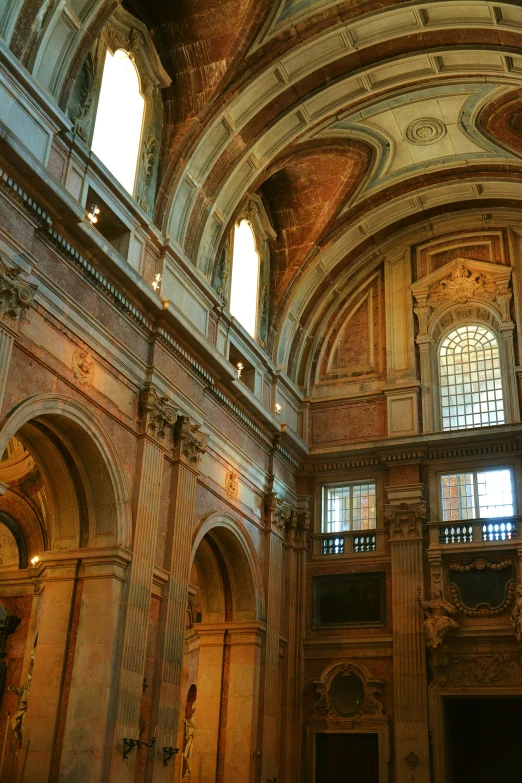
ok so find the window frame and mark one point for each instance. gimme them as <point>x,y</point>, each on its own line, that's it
<point>237,224</point>
<point>339,485</point>
<point>453,328</point>
<point>474,470</point>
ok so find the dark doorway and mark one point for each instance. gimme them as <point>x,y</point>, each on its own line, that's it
<point>347,758</point>
<point>484,739</point>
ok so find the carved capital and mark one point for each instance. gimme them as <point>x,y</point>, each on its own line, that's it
<point>16,296</point>
<point>405,520</point>
<point>159,414</point>
<point>190,443</point>
<point>280,515</point>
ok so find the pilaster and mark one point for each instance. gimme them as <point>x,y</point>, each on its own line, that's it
<point>158,418</point>
<point>405,514</point>
<point>189,447</point>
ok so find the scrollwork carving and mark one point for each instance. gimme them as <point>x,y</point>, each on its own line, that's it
<point>405,520</point>
<point>369,707</point>
<point>477,669</point>
<point>191,444</point>
<point>158,412</point>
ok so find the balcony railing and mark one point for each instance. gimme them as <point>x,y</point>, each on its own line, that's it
<point>476,531</point>
<point>348,542</point>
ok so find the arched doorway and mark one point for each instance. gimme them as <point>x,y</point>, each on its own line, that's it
<point>64,513</point>
<point>221,674</point>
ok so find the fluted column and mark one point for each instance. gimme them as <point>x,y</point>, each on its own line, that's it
<point>297,531</point>
<point>158,418</point>
<point>278,515</point>
<point>190,445</point>
<point>405,521</point>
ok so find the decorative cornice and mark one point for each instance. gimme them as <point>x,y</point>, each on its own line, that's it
<point>190,443</point>
<point>185,356</point>
<point>159,414</point>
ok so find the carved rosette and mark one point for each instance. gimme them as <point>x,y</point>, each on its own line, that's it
<point>190,443</point>
<point>405,520</point>
<point>158,412</point>
<point>16,296</point>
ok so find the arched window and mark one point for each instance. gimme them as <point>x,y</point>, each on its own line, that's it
<point>119,118</point>
<point>470,379</point>
<point>244,287</point>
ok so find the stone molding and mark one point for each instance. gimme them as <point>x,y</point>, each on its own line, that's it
<point>190,443</point>
<point>158,412</point>
<point>369,709</point>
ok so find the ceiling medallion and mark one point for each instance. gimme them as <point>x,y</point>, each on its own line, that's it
<point>427,130</point>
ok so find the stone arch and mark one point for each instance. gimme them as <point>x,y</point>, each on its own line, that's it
<point>241,562</point>
<point>71,426</point>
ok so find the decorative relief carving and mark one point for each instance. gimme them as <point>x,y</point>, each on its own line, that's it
<point>412,760</point>
<point>357,705</point>
<point>426,130</point>
<point>279,513</point>
<point>158,412</point>
<point>486,597</point>
<point>439,618</point>
<point>16,296</point>
<point>405,520</point>
<point>83,366</point>
<point>148,157</point>
<point>190,442</point>
<point>232,485</point>
<point>477,669</point>
<point>298,530</point>
<point>516,615</point>
<point>462,285</point>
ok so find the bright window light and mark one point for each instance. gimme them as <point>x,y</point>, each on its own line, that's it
<point>245,278</point>
<point>481,494</point>
<point>119,119</point>
<point>349,507</point>
<point>470,379</point>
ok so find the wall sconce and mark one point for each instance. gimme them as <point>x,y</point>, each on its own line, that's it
<point>168,753</point>
<point>34,561</point>
<point>239,369</point>
<point>278,409</point>
<point>129,744</point>
<point>156,282</point>
<point>92,215</point>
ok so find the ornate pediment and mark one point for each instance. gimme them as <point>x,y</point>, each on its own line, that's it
<point>348,695</point>
<point>458,283</point>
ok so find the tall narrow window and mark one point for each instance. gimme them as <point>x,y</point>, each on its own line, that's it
<point>470,379</point>
<point>245,277</point>
<point>119,118</point>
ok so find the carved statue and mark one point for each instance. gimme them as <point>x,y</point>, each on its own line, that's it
<point>189,743</point>
<point>17,721</point>
<point>516,615</point>
<point>439,618</point>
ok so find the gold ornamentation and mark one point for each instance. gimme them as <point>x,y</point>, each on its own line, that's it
<point>232,485</point>
<point>83,366</point>
<point>158,412</point>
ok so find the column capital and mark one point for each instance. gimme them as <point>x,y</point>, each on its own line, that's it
<point>158,412</point>
<point>16,295</point>
<point>405,520</point>
<point>189,443</point>
<point>281,517</point>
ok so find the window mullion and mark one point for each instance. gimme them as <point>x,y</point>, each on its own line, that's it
<point>476,495</point>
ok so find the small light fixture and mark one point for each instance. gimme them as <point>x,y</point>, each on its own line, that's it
<point>239,369</point>
<point>34,561</point>
<point>92,216</point>
<point>156,282</point>
<point>278,409</point>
